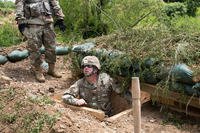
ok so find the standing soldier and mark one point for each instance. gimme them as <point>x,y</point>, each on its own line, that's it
<point>94,89</point>
<point>35,22</point>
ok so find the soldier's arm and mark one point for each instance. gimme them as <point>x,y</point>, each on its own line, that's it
<point>19,12</point>
<point>56,9</point>
<point>71,94</point>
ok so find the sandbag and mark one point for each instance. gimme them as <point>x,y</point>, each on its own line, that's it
<point>182,73</point>
<point>83,48</point>
<point>183,88</point>
<point>42,50</point>
<point>60,50</point>
<point>17,55</point>
<point>3,59</point>
<point>150,62</point>
<point>149,77</point>
<point>100,53</point>
<point>153,70</point>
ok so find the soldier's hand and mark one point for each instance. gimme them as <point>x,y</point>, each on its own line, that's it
<point>80,102</point>
<point>22,27</point>
<point>60,24</point>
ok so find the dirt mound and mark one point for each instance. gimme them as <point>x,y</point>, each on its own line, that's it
<point>27,106</point>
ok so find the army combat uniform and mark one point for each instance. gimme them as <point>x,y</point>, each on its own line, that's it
<point>37,15</point>
<point>97,96</point>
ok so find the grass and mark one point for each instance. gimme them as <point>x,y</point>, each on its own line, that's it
<point>43,100</point>
<point>23,114</point>
<point>35,121</point>
<point>8,118</point>
<point>9,35</point>
<point>7,4</point>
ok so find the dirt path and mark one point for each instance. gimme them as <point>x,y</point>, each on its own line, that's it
<point>79,121</point>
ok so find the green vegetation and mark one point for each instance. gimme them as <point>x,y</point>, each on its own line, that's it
<point>7,4</point>
<point>9,35</point>
<point>8,118</point>
<point>35,121</point>
<point>42,100</point>
<point>23,115</point>
<point>141,28</point>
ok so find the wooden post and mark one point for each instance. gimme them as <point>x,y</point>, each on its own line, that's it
<point>136,104</point>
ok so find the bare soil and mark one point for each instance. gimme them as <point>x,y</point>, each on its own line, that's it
<point>70,121</point>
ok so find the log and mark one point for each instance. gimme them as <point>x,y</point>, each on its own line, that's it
<point>169,97</point>
<point>189,105</point>
<point>144,97</point>
<point>119,115</point>
<point>136,104</point>
<point>99,114</point>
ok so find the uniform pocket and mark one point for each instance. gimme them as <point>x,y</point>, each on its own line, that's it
<point>35,9</point>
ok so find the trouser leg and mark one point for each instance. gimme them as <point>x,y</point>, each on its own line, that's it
<point>34,44</point>
<point>50,54</point>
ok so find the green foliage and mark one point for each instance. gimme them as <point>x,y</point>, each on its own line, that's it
<point>23,116</point>
<point>175,9</point>
<point>192,6</point>
<point>2,105</point>
<point>41,100</point>
<point>7,4</point>
<point>35,121</point>
<point>8,118</point>
<point>87,20</point>
<point>88,17</point>
<point>9,35</point>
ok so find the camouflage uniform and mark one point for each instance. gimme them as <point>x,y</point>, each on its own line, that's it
<point>97,96</point>
<point>37,14</point>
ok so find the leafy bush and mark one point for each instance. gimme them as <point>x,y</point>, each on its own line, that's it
<point>191,5</point>
<point>87,20</point>
<point>85,17</point>
<point>175,9</point>
<point>7,4</point>
<point>9,35</point>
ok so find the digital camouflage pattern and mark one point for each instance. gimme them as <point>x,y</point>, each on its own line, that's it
<point>91,60</point>
<point>97,96</point>
<point>38,36</point>
<point>37,14</point>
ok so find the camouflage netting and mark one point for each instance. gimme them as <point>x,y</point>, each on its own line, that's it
<point>123,66</point>
<point>156,57</point>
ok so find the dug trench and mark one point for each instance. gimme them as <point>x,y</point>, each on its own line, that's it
<point>28,115</point>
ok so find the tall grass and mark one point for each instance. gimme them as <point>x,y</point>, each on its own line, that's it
<point>9,35</point>
<point>6,4</point>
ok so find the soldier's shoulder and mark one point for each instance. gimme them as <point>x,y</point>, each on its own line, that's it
<point>80,81</point>
<point>105,77</point>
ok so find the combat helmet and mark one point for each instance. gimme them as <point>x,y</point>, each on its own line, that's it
<point>91,60</point>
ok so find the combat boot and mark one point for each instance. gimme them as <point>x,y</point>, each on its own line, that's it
<point>52,71</point>
<point>39,75</point>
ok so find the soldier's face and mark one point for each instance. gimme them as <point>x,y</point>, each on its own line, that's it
<point>88,70</point>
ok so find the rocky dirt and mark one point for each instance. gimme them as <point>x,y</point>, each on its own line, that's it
<point>22,86</point>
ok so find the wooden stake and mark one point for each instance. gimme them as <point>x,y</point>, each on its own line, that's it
<point>136,104</point>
